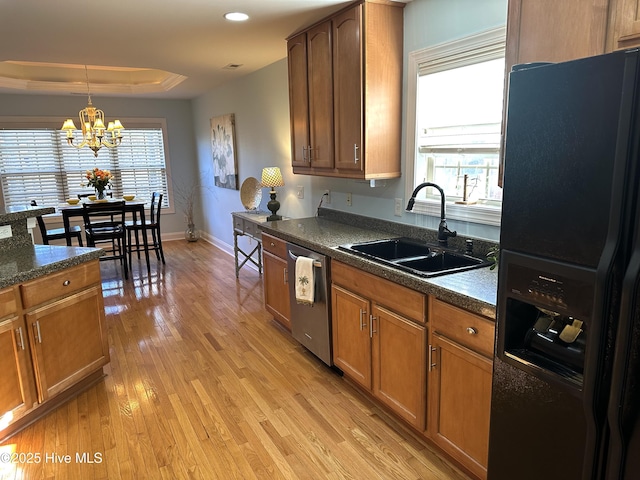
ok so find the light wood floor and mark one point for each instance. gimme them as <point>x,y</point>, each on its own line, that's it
<point>203,384</point>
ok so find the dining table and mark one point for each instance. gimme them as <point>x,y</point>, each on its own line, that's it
<point>135,207</point>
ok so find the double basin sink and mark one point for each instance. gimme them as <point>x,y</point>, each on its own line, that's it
<point>414,257</point>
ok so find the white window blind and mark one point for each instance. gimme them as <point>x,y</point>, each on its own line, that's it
<point>37,164</point>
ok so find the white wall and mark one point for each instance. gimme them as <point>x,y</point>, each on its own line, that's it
<point>260,103</point>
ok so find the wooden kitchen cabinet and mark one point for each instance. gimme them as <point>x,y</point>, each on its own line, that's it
<point>351,339</point>
<point>17,389</point>
<point>552,31</point>
<point>352,85</point>
<point>624,24</point>
<point>276,285</point>
<point>379,339</point>
<point>460,377</point>
<point>68,340</point>
<point>311,98</point>
<point>53,341</point>
<point>64,313</point>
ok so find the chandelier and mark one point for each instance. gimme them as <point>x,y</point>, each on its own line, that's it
<point>94,133</point>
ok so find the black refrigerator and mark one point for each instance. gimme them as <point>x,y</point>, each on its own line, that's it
<point>566,380</point>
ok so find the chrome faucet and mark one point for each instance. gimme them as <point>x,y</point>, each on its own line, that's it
<point>443,231</point>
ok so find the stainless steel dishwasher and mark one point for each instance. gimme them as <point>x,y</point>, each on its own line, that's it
<point>311,324</point>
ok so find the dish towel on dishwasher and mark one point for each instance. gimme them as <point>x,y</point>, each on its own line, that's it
<point>304,280</point>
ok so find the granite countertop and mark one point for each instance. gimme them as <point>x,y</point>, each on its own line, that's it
<point>13,214</point>
<point>473,290</point>
<point>25,263</point>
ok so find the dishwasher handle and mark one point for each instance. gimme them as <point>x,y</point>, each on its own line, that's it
<point>316,263</point>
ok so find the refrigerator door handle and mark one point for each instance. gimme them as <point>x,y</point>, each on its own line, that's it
<point>621,364</point>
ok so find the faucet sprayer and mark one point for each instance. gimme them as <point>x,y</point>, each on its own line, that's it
<point>443,231</point>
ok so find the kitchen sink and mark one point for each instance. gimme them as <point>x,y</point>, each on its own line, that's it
<point>415,257</point>
<point>392,249</point>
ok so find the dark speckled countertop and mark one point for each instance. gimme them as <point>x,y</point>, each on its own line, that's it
<point>25,263</point>
<point>21,261</point>
<point>473,290</point>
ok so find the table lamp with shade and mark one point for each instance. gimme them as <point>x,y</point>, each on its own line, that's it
<point>272,177</point>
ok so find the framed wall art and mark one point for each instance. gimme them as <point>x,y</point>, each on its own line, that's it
<point>223,147</point>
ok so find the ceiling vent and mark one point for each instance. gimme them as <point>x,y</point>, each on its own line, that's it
<point>232,66</point>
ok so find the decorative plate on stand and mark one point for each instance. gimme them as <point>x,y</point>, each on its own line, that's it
<point>251,193</point>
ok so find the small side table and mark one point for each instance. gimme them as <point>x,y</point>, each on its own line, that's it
<point>246,223</point>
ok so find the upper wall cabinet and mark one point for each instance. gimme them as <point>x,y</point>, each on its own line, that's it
<point>552,31</point>
<point>345,93</point>
<point>624,31</point>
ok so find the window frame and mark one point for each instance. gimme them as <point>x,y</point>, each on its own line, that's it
<point>486,45</point>
<point>54,123</point>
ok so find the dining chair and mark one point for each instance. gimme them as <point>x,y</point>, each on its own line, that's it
<point>56,233</point>
<point>105,223</point>
<point>142,226</point>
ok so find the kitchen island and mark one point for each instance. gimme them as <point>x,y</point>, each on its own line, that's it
<point>53,341</point>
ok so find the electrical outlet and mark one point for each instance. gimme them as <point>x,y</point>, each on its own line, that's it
<point>349,203</point>
<point>5,231</point>
<point>300,191</point>
<point>327,198</point>
<point>398,208</point>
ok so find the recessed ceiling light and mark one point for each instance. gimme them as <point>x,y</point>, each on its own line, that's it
<point>236,16</point>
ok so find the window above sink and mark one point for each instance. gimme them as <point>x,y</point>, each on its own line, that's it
<point>456,133</point>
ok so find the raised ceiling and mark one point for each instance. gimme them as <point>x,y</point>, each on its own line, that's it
<point>143,48</point>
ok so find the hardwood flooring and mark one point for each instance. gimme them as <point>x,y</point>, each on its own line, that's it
<point>203,384</point>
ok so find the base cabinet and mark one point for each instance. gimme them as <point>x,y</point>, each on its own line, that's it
<point>377,347</point>
<point>276,288</point>
<point>460,376</point>
<point>66,339</point>
<point>52,337</point>
<point>17,388</point>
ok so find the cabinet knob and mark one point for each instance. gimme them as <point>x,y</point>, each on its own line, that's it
<point>472,331</point>
<point>272,244</point>
<point>66,283</point>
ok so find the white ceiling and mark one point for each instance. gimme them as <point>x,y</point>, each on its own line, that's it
<point>190,39</point>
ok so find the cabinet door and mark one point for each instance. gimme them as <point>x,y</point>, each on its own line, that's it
<point>626,23</point>
<point>351,338</point>
<point>68,340</point>
<point>276,288</point>
<point>17,389</point>
<point>298,100</point>
<point>399,365</point>
<point>347,91</point>
<point>320,95</point>
<point>552,31</point>
<point>460,403</point>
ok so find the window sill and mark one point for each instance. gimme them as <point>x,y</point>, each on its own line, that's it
<point>477,213</point>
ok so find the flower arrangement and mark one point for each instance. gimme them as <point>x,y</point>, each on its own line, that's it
<point>99,179</point>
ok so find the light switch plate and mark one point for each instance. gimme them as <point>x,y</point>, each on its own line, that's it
<point>5,231</point>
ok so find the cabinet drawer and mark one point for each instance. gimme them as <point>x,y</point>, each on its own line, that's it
<point>396,298</point>
<point>252,229</point>
<point>8,304</point>
<point>60,284</point>
<point>465,328</point>
<point>274,245</point>
<point>238,224</point>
